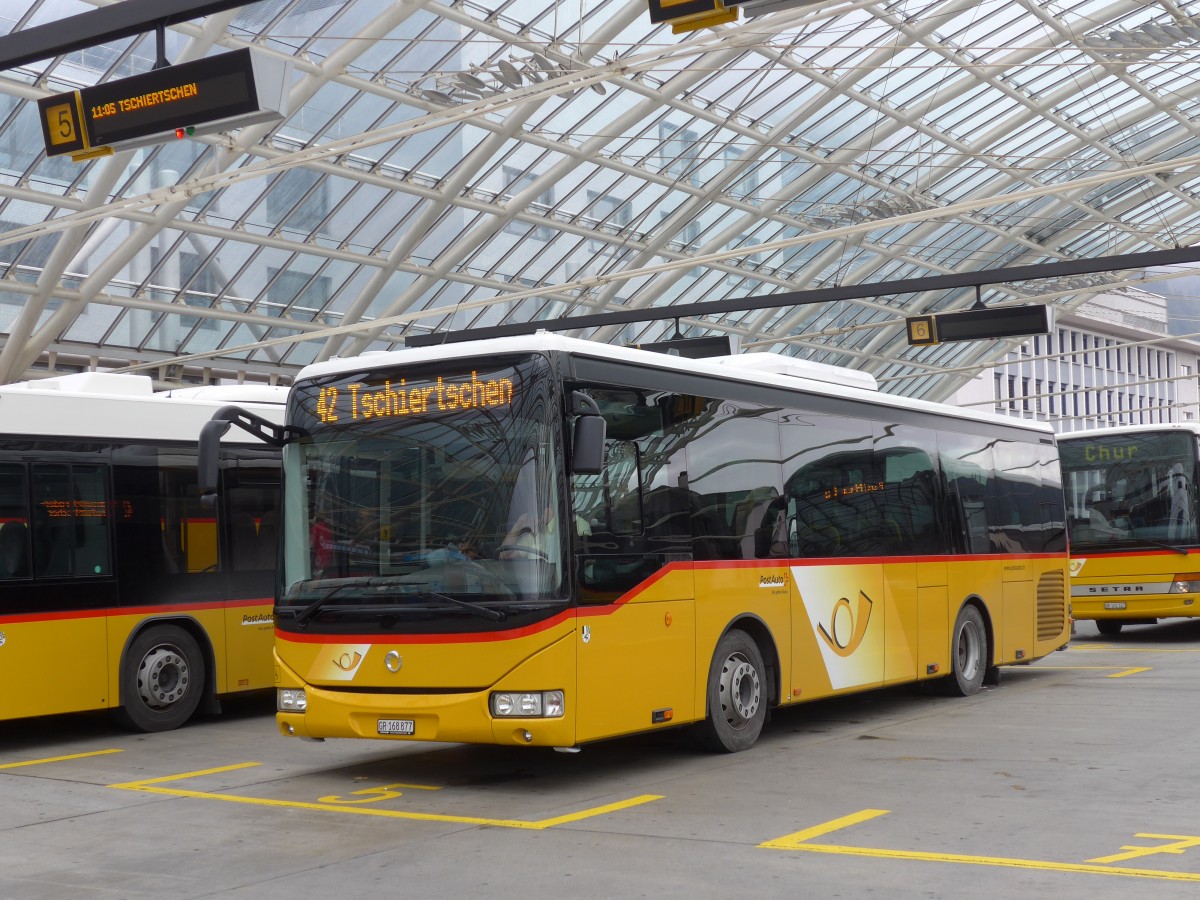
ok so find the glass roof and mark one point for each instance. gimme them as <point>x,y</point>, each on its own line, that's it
<point>447,166</point>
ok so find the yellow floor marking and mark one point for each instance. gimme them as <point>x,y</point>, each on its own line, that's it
<point>1180,842</point>
<point>790,841</point>
<point>796,841</point>
<point>1130,670</point>
<point>52,759</point>
<point>150,785</point>
<point>377,793</point>
<point>1093,647</point>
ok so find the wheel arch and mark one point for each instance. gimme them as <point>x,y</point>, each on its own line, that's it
<point>989,629</point>
<point>761,634</point>
<point>208,698</point>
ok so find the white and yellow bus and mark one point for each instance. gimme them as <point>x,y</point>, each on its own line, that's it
<point>118,590</point>
<point>741,534</point>
<point>1131,501</point>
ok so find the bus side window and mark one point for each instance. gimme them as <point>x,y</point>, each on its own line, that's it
<point>14,518</point>
<point>70,522</point>
<point>91,528</point>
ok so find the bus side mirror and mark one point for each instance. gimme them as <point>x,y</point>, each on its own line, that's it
<point>209,454</point>
<point>587,444</point>
<point>587,449</point>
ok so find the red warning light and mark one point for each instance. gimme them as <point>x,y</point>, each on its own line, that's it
<point>179,132</point>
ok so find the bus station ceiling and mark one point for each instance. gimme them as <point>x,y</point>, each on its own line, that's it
<point>450,166</point>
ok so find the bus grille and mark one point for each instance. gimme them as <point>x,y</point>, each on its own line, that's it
<point>1052,605</point>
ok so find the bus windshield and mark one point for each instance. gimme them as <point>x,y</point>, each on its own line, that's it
<point>1126,490</point>
<point>426,489</point>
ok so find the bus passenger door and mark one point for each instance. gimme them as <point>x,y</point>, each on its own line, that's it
<point>250,519</point>
<point>839,630</point>
<point>839,637</point>
<point>56,583</point>
<point>636,611</point>
<point>636,657</point>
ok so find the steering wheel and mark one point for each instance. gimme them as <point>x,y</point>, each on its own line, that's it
<point>522,548</point>
<point>486,576</point>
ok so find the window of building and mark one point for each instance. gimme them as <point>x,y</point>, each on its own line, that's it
<point>612,214</point>
<point>518,180</point>
<point>299,200</point>
<point>679,153</point>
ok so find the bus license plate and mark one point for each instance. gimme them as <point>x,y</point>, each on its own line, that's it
<point>1119,604</point>
<point>397,726</point>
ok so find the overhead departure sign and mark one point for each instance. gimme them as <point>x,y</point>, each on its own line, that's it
<point>692,15</point>
<point>200,97</point>
<point>979,324</point>
<point>692,348</point>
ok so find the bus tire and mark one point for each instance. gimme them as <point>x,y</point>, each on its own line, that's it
<point>162,679</point>
<point>738,695</point>
<point>1109,627</point>
<point>968,654</point>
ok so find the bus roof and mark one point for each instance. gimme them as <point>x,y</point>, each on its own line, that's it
<point>1120,430</point>
<point>755,368</point>
<point>123,405</point>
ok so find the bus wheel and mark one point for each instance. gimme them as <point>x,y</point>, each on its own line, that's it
<point>162,679</point>
<point>1109,627</point>
<point>968,648</point>
<point>737,696</point>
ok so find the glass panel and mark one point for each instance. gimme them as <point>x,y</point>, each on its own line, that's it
<point>423,484</point>
<point>70,531</point>
<point>967,467</point>
<point>830,483</point>
<point>1134,489</point>
<point>14,521</point>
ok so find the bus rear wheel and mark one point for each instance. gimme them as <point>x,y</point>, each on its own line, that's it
<point>969,654</point>
<point>162,679</point>
<point>737,695</point>
<point>1109,627</point>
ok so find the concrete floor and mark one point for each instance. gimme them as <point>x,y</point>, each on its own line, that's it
<point>1075,777</point>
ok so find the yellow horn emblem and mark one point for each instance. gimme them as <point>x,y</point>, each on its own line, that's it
<point>849,627</point>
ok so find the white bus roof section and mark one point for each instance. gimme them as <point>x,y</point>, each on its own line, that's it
<point>1131,430</point>
<point>71,407</point>
<point>853,387</point>
<point>448,166</point>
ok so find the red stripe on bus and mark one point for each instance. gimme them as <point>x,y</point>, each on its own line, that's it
<point>1115,554</point>
<point>442,638</point>
<point>131,611</point>
<point>608,609</point>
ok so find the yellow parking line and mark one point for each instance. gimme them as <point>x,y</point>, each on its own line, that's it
<point>792,841</point>
<point>54,759</point>
<point>151,785</point>
<point>1125,670</point>
<point>797,841</point>
<point>998,861</point>
<point>1090,648</point>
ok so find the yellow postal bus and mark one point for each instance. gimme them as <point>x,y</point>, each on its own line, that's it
<point>118,590</point>
<point>1131,497</point>
<point>740,534</point>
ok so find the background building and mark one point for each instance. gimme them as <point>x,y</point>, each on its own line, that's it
<point>1120,359</point>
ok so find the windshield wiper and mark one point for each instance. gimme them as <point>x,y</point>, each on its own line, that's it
<point>308,612</point>
<point>303,617</point>
<point>1163,544</point>
<point>496,615</point>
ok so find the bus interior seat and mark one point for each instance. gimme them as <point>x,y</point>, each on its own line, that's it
<point>264,543</point>
<point>244,541</point>
<point>14,550</point>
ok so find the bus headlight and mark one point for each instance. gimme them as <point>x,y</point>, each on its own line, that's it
<point>292,700</point>
<point>1185,583</point>
<point>527,704</point>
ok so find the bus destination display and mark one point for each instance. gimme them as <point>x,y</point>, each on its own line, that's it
<point>389,400</point>
<point>152,106</point>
